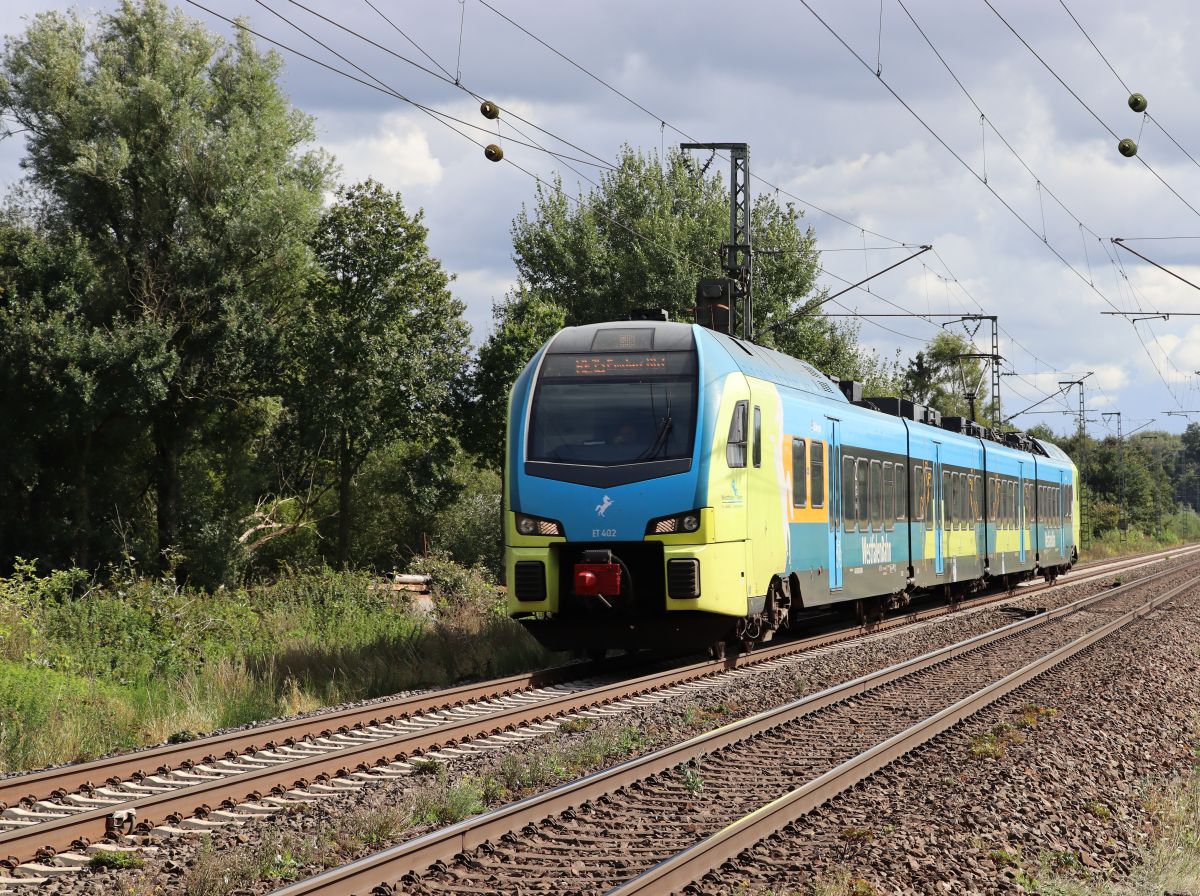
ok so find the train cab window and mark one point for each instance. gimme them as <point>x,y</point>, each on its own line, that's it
<point>816,484</point>
<point>889,495</point>
<point>876,493</point>
<point>799,472</point>
<point>901,492</point>
<point>862,490</point>
<point>849,494</point>
<point>757,436</point>
<point>735,445</point>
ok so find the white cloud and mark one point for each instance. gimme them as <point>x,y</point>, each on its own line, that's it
<point>396,153</point>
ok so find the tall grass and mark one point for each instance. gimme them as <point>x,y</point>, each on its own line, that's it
<point>1182,527</point>
<point>86,669</point>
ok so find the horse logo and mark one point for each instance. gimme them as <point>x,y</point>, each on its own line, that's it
<point>603,505</point>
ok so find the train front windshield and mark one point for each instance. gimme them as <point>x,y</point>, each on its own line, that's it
<point>613,409</point>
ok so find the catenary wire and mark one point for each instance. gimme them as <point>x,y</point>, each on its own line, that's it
<point>975,174</point>
<point>1089,109</point>
<point>1121,81</point>
<point>541,181</point>
<point>684,134</point>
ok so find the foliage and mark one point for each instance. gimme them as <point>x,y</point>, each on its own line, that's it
<point>175,163</point>
<point>376,351</point>
<point>88,668</point>
<point>941,377</point>
<point>642,239</point>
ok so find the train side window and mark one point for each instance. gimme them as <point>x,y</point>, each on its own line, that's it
<point>876,493</point>
<point>946,508</point>
<point>735,445</point>
<point>965,503</point>
<point>862,480</point>
<point>816,486</point>
<point>849,493</point>
<point>889,495</point>
<point>918,493</point>
<point>757,436</point>
<point>978,498</point>
<point>960,482</point>
<point>799,472</point>
<point>954,516</point>
<point>901,492</point>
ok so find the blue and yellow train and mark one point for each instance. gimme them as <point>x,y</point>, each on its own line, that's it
<point>670,485</point>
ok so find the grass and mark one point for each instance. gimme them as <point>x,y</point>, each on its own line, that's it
<point>547,764</point>
<point>840,882</point>
<point>994,743</point>
<point>1169,864</point>
<point>87,668</point>
<point>119,859</point>
<point>1178,529</point>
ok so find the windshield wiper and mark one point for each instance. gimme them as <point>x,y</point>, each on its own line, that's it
<point>660,438</point>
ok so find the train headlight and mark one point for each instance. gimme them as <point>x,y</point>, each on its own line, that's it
<point>535,525</point>
<point>674,524</point>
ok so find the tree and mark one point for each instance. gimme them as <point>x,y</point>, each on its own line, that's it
<point>379,347</point>
<point>73,383</point>
<point>523,322</point>
<point>643,238</point>
<point>179,164</point>
<point>941,378</point>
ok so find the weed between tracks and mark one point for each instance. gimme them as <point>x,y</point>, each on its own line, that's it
<point>87,670</point>
<point>434,799</point>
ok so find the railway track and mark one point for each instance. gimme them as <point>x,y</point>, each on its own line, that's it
<point>238,775</point>
<point>659,823</point>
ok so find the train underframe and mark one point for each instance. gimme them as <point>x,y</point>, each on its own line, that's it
<point>637,619</point>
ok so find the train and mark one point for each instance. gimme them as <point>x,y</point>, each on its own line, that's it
<point>668,485</point>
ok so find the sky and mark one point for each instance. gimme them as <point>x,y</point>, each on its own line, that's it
<point>983,128</point>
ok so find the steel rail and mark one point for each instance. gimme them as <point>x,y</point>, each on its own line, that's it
<point>56,834</point>
<point>389,865</point>
<point>69,778</point>
<point>710,854</point>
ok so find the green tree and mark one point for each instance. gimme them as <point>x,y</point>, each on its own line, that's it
<point>73,383</point>
<point>643,238</point>
<point>941,377</point>
<point>379,348</point>
<point>180,165</point>
<point>522,323</point>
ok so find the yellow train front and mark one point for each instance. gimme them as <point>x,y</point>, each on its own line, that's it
<point>669,486</point>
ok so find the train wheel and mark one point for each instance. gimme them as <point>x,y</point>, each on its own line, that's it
<point>716,650</point>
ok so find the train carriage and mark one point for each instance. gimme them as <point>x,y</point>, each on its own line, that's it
<point>669,484</point>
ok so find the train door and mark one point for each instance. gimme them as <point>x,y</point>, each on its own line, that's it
<point>834,501</point>
<point>939,511</point>
<point>1062,515</point>
<point>1021,512</point>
